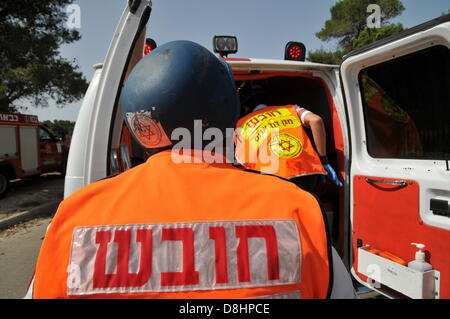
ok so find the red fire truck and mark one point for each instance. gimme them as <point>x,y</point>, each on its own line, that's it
<point>27,148</point>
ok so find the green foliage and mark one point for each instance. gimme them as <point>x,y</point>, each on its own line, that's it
<point>31,33</point>
<point>62,128</point>
<point>326,57</point>
<point>349,19</point>
<point>369,36</point>
<point>348,25</point>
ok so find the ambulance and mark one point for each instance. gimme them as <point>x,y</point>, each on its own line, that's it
<point>387,113</point>
<point>27,148</point>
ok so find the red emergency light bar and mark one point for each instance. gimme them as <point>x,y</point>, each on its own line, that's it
<point>150,45</point>
<point>295,51</point>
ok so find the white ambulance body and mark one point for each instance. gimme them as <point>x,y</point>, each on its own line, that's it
<point>395,192</point>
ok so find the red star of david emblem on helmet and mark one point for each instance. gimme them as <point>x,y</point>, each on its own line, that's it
<point>146,130</point>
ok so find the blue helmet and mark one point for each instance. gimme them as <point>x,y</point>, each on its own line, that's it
<point>173,86</point>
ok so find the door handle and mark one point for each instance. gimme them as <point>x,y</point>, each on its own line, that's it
<point>380,181</point>
<point>440,207</point>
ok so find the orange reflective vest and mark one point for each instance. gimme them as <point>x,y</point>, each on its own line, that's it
<point>166,229</point>
<point>273,141</point>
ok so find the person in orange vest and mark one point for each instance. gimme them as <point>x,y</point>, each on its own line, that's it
<point>272,140</point>
<point>175,227</point>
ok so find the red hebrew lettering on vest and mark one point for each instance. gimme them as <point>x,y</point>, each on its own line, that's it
<point>218,234</point>
<point>176,257</point>
<point>123,278</point>
<point>274,113</point>
<point>262,117</point>
<point>188,276</point>
<point>266,232</point>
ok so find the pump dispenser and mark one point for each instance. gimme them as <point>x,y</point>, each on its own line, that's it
<point>419,263</point>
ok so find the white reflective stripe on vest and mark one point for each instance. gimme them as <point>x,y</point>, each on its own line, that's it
<point>184,257</point>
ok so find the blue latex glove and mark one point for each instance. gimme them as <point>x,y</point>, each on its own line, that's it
<point>332,175</point>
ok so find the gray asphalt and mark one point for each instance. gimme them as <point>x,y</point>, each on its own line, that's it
<point>19,248</point>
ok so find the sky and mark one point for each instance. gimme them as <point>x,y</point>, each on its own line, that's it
<point>263,27</point>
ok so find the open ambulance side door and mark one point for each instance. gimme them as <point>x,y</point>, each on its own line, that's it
<point>96,132</point>
<point>397,95</point>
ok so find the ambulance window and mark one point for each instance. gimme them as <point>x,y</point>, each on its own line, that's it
<point>406,104</point>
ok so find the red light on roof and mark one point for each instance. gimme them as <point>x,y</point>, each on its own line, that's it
<point>295,51</point>
<point>147,49</point>
<point>150,44</point>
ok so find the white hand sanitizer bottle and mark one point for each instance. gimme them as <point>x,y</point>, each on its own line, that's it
<point>419,263</point>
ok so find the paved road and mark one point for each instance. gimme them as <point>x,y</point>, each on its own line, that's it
<point>26,194</point>
<point>19,248</point>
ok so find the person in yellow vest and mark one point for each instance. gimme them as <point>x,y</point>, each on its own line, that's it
<point>175,227</point>
<point>272,140</point>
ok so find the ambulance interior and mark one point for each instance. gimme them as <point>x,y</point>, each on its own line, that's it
<point>271,88</point>
<point>310,93</point>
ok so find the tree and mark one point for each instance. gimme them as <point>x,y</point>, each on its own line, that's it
<point>324,56</point>
<point>348,25</point>
<point>62,128</point>
<point>31,33</point>
<point>371,35</point>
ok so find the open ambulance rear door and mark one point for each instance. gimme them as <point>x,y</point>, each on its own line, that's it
<point>397,95</point>
<point>96,131</point>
